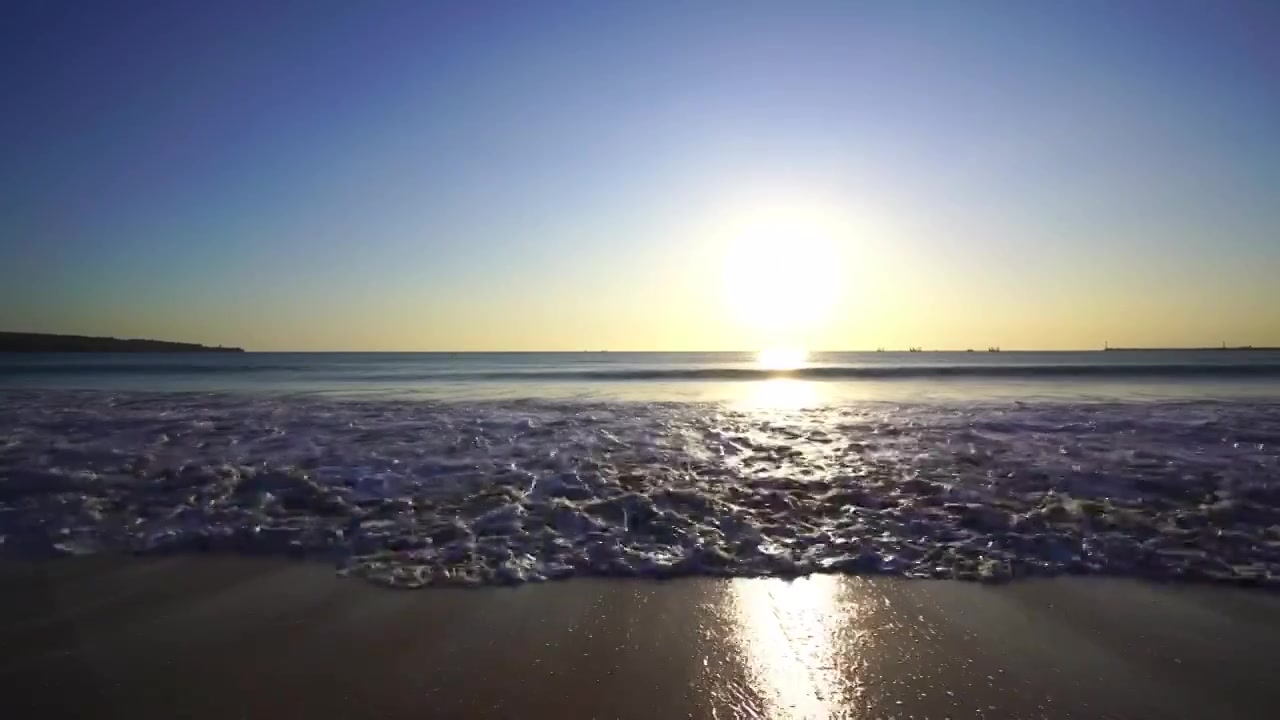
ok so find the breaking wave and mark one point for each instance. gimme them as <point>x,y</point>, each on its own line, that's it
<point>854,372</point>
<point>413,494</point>
<point>411,372</point>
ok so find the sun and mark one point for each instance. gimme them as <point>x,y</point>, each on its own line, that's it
<point>782,273</point>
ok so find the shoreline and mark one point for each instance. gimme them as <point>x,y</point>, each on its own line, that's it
<point>227,636</point>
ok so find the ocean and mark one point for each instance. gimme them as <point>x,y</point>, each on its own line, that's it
<point>425,469</point>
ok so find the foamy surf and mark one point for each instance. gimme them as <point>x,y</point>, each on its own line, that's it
<point>413,494</point>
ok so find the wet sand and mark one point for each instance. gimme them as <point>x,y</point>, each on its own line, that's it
<point>219,637</point>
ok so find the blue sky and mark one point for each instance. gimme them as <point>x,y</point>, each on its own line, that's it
<point>396,175</point>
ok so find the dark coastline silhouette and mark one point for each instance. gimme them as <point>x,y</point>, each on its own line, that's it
<point>43,342</point>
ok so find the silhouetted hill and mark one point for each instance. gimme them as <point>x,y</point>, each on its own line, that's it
<point>42,342</point>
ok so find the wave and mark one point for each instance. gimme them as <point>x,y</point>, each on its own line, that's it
<point>854,372</point>
<point>410,372</point>
<point>414,494</point>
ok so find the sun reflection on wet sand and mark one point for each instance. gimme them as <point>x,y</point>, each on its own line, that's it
<point>800,644</point>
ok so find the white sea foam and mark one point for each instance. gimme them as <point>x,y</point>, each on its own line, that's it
<point>412,493</point>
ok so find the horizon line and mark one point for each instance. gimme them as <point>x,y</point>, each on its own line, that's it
<point>1188,348</point>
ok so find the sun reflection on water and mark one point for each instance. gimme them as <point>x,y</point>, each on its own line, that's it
<point>781,394</point>
<point>782,358</point>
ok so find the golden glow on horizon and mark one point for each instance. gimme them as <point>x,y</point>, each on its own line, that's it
<point>710,278</point>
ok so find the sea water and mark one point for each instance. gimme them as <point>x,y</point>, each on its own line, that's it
<point>479,468</point>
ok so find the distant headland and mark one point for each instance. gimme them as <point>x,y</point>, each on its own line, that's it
<point>43,342</point>
<point>1107,348</point>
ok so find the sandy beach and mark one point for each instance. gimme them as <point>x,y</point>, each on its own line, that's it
<point>221,637</point>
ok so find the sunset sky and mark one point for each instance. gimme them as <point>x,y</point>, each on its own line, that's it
<point>645,176</point>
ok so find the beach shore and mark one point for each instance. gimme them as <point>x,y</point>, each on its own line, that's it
<point>219,637</point>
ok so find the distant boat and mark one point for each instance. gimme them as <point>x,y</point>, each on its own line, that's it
<point>994,348</point>
<point>914,349</point>
<point>969,350</point>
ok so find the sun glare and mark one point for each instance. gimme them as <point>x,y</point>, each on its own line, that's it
<point>782,271</point>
